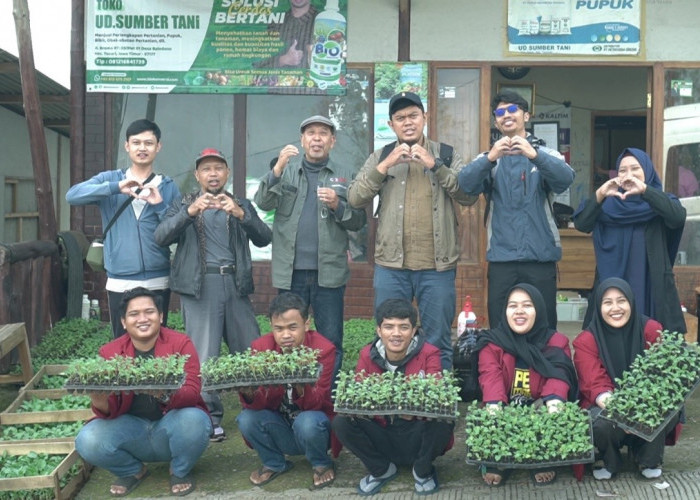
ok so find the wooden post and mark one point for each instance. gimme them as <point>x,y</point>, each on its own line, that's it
<point>32,112</point>
<point>77,106</point>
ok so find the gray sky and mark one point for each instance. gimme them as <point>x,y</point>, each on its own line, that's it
<point>50,24</point>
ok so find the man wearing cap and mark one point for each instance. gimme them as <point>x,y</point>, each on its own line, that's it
<point>312,218</point>
<point>519,177</point>
<point>417,247</point>
<point>131,256</point>
<point>212,269</point>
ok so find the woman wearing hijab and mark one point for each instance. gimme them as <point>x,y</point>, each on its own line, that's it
<point>616,335</point>
<point>523,360</point>
<point>636,232</point>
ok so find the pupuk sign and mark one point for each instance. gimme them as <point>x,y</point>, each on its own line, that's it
<point>581,27</point>
<point>216,46</point>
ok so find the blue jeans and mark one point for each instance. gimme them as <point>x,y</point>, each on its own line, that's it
<point>436,296</point>
<point>273,437</point>
<point>327,305</point>
<point>121,445</point>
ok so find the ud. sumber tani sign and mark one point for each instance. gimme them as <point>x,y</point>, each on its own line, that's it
<point>583,27</point>
<point>216,46</point>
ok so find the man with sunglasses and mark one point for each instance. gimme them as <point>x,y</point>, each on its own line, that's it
<point>519,177</point>
<point>417,247</point>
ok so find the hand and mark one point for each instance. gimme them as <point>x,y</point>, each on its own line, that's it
<point>299,389</point>
<point>328,196</point>
<point>292,57</point>
<point>229,205</point>
<point>632,185</point>
<point>493,407</point>
<point>553,406</point>
<point>283,159</point>
<point>509,146</point>
<point>400,154</point>
<point>202,203</point>
<point>422,156</point>
<point>610,188</point>
<point>602,399</point>
<point>247,393</point>
<point>100,400</point>
<point>151,194</point>
<point>129,186</point>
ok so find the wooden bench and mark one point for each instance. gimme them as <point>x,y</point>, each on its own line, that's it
<point>15,335</point>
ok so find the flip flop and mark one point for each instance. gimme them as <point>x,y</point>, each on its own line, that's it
<point>422,483</point>
<point>274,473</point>
<point>176,481</point>
<point>129,483</point>
<point>376,484</point>
<point>319,472</point>
<point>542,483</point>
<point>492,470</point>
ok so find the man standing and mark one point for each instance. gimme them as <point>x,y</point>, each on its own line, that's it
<point>297,34</point>
<point>312,220</point>
<point>130,428</point>
<point>381,443</point>
<point>212,270</point>
<point>519,177</point>
<point>132,257</point>
<point>417,247</point>
<point>293,419</point>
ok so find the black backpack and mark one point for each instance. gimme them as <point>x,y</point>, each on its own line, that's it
<point>466,365</point>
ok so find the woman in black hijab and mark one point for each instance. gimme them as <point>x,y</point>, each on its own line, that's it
<point>523,360</point>
<point>616,335</point>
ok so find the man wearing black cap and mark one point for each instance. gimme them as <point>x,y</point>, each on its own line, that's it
<point>417,248</point>
<point>212,270</point>
<point>312,218</point>
<point>519,177</point>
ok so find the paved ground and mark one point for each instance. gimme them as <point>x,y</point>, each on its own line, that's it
<point>223,470</point>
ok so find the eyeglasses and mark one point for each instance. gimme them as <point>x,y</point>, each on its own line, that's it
<point>511,108</point>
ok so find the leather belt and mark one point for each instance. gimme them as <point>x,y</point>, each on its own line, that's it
<point>230,269</point>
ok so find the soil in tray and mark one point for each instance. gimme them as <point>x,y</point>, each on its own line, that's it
<point>74,383</point>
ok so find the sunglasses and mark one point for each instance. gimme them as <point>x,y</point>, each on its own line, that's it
<point>512,108</point>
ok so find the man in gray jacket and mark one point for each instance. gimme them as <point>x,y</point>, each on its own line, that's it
<point>312,220</point>
<point>417,247</point>
<point>212,269</point>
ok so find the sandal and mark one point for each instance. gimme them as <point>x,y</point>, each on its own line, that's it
<point>494,471</point>
<point>256,477</point>
<point>179,481</point>
<point>129,483</point>
<point>426,485</point>
<point>322,472</point>
<point>534,473</point>
<point>369,485</point>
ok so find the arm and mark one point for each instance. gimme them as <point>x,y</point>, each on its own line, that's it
<point>93,190</point>
<point>349,218</point>
<point>554,170</point>
<point>585,219</point>
<point>318,396</point>
<point>174,222</point>
<point>475,176</point>
<point>554,388</point>
<point>188,395</point>
<point>447,177</point>
<point>257,231</point>
<point>492,376</point>
<point>271,185</point>
<point>670,209</point>
<point>593,379</point>
<point>367,183</point>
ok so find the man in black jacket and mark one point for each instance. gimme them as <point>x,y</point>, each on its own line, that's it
<point>212,270</point>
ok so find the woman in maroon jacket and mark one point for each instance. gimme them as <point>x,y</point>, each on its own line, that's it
<point>521,361</point>
<point>616,335</point>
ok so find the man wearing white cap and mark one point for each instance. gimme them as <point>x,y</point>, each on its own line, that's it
<point>212,269</point>
<point>312,218</point>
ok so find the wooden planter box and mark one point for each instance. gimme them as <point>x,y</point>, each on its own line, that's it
<point>52,480</point>
<point>11,417</point>
<point>35,382</point>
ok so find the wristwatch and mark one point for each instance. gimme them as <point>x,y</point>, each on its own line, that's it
<point>438,163</point>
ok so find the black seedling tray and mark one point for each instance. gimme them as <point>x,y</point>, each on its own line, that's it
<point>235,384</point>
<point>135,388</point>
<point>394,412</point>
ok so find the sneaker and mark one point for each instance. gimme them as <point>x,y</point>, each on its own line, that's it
<point>217,434</point>
<point>651,472</point>
<point>602,474</point>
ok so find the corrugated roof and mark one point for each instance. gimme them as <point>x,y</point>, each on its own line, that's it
<point>55,98</point>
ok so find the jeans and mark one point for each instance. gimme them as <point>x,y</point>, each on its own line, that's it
<point>436,296</point>
<point>121,445</point>
<point>327,305</point>
<point>273,437</point>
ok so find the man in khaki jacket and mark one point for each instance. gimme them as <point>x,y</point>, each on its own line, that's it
<point>417,247</point>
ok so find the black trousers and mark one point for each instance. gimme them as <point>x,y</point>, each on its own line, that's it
<point>115,298</point>
<point>503,276</point>
<point>609,439</point>
<point>404,442</point>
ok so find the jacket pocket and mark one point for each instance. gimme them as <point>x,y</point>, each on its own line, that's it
<point>287,201</point>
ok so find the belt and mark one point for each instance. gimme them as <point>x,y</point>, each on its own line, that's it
<point>230,269</point>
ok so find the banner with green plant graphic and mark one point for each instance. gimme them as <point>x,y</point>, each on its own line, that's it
<point>216,46</point>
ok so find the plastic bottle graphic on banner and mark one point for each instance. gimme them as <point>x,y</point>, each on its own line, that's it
<point>328,47</point>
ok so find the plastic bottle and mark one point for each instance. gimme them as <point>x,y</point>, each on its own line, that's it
<point>328,46</point>
<point>85,311</point>
<point>466,318</point>
<point>95,309</point>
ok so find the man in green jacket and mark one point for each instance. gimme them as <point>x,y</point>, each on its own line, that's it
<point>312,218</point>
<point>416,248</point>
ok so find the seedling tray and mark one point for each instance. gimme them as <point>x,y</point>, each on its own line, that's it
<point>587,459</point>
<point>35,383</point>
<point>235,384</point>
<point>135,388</point>
<point>452,415</point>
<point>50,480</point>
<point>653,434</point>
<point>11,417</point>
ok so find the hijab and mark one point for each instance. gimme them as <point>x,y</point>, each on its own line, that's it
<point>531,347</point>
<point>618,347</point>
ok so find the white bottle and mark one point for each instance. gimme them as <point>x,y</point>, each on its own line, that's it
<point>466,318</point>
<point>85,312</point>
<point>328,48</point>
<point>95,309</point>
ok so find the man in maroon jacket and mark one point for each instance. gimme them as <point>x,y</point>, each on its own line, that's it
<point>292,419</point>
<point>133,428</point>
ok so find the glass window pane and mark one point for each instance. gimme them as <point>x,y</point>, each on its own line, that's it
<point>273,122</point>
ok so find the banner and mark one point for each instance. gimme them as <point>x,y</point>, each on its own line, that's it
<point>216,46</point>
<point>587,27</point>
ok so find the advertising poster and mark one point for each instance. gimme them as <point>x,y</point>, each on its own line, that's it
<point>582,27</point>
<point>216,46</point>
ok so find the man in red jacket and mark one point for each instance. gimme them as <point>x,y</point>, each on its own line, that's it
<point>130,428</point>
<point>382,443</point>
<point>292,419</point>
